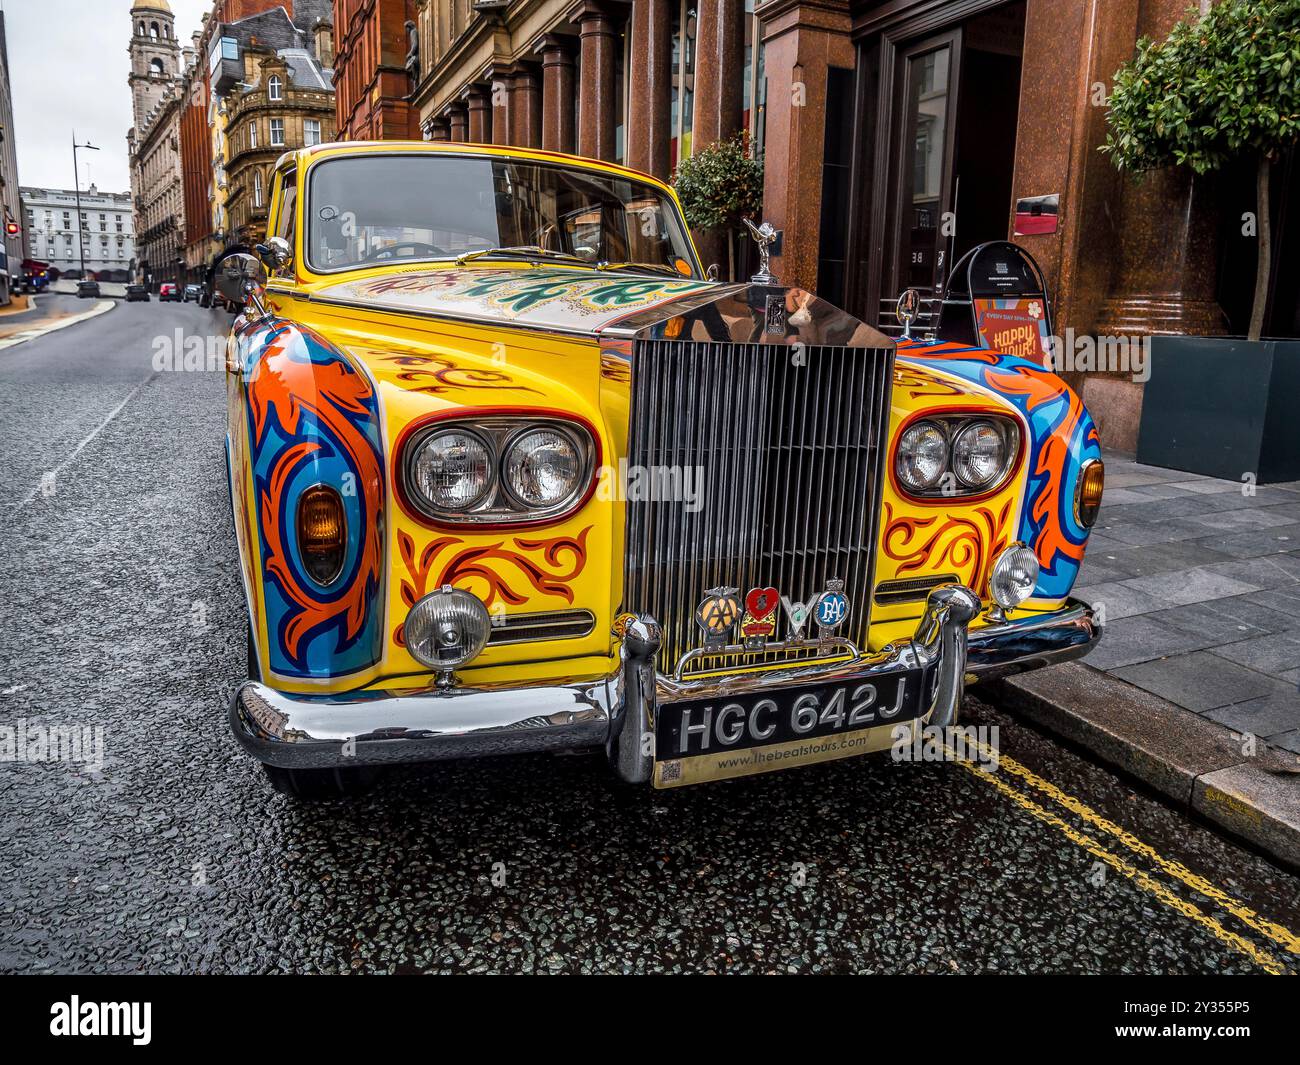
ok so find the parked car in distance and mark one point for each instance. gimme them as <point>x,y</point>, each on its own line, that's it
<point>191,292</point>
<point>136,294</point>
<point>168,291</point>
<point>85,289</point>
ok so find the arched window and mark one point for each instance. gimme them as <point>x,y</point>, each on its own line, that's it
<point>156,67</point>
<point>257,188</point>
<point>153,30</point>
<point>274,88</point>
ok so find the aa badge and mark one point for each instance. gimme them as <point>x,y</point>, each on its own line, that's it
<point>717,616</point>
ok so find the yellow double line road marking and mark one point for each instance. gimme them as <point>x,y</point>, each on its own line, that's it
<point>1271,930</point>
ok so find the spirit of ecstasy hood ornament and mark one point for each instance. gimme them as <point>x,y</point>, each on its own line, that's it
<point>764,236</point>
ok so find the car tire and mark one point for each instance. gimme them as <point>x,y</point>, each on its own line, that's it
<point>319,785</point>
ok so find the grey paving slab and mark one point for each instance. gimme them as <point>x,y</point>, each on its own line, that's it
<point>1268,716</point>
<point>1210,487</point>
<point>1238,520</point>
<point>1188,586</point>
<point>1118,497</point>
<point>1274,654</point>
<point>1222,621</point>
<point>1199,681</point>
<point>1119,601</point>
<point>1266,571</point>
<point>1163,490</point>
<point>1141,638</point>
<point>1122,478</point>
<point>1161,532</point>
<point>1287,740</point>
<point>1279,539</point>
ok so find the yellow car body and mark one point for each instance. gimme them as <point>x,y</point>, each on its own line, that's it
<point>336,370</point>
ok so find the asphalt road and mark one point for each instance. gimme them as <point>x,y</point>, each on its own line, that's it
<point>120,608</point>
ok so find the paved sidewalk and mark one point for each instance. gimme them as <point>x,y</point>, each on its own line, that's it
<point>1200,583</point>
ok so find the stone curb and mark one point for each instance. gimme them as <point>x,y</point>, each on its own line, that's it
<point>103,307</point>
<point>1196,763</point>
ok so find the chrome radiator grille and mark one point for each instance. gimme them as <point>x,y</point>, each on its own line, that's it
<point>790,442</point>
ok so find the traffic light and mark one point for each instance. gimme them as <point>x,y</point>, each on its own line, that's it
<point>11,228</point>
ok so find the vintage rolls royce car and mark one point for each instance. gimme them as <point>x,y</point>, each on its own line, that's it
<point>510,473</point>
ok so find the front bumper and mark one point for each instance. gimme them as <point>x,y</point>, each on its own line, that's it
<point>617,711</point>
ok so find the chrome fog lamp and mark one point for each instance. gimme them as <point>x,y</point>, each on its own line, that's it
<point>446,629</point>
<point>1015,574</point>
<point>922,456</point>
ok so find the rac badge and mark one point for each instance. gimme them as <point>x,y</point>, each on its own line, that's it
<point>831,609</point>
<point>717,616</point>
<point>759,620</point>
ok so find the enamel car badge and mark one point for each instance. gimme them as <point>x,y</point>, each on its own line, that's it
<point>759,620</point>
<point>831,608</point>
<point>717,615</point>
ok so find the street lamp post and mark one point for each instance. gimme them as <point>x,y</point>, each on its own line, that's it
<point>76,187</point>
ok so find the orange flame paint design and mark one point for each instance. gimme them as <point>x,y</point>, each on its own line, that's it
<point>967,545</point>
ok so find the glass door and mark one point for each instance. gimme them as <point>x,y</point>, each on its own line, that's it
<point>925,97</point>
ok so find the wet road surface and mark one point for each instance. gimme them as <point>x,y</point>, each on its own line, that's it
<point>120,607</point>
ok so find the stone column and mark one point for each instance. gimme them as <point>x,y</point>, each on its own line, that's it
<point>438,130</point>
<point>498,80</point>
<point>525,107</point>
<point>558,133</point>
<point>649,132</point>
<point>803,42</point>
<point>597,119</point>
<point>457,123</point>
<point>719,68</point>
<point>478,108</point>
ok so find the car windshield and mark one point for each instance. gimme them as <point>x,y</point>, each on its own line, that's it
<point>368,210</point>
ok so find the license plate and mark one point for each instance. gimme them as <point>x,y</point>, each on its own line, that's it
<point>737,735</point>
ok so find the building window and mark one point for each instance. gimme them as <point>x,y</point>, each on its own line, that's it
<point>257,188</point>
<point>275,87</point>
<point>252,134</point>
<point>277,132</point>
<point>311,131</point>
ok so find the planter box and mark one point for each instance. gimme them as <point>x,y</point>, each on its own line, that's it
<point>1223,408</point>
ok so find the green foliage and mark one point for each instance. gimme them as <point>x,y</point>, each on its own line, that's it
<point>1220,86</point>
<point>720,184</point>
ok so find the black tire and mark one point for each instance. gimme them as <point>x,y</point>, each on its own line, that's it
<point>317,785</point>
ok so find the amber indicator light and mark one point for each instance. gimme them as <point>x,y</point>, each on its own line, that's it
<point>1091,484</point>
<point>322,532</point>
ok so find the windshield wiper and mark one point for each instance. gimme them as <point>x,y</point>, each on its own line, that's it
<point>653,268</point>
<point>530,251</point>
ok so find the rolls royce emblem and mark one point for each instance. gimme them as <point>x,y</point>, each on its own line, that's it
<point>759,620</point>
<point>717,615</point>
<point>831,608</point>
<point>774,319</point>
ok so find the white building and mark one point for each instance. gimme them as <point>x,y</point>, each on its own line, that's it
<point>106,229</point>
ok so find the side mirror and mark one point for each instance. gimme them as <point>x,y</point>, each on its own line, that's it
<point>276,253</point>
<point>240,278</point>
<point>908,309</point>
<point>712,272</point>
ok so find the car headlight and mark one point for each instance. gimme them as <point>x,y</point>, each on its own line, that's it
<point>450,470</point>
<point>542,467</point>
<point>446,629</point>
<point>1014,576</point>
<point>922,456</point>
<point>979,455</point>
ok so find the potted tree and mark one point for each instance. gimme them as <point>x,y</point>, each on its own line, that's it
<point>1224,85</point>
<point>719,185</point>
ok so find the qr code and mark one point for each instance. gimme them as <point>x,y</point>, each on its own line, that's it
<point>670,772</point>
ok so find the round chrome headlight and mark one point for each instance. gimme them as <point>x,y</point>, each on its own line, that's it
<point>542,468</point>
<point>1014,576</point>
<point>979,455</point>
<point>922,456</point>
<point>446,628</point>
<point>450,469</point>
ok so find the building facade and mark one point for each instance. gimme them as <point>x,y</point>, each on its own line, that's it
<point>373,69</point>
<point>896,135</point>
<point>13,244</point>
<point>107,232</point>
<point>153,143</point>
<point>271,92</point>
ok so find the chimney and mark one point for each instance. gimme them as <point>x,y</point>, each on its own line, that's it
<point>323,34</point>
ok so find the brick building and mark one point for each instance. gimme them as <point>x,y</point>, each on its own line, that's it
<point>371,79</point>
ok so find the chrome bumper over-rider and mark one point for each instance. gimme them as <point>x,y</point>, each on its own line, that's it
<point>385,727</point>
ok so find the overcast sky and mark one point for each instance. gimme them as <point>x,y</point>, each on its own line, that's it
<point>68,65</point>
